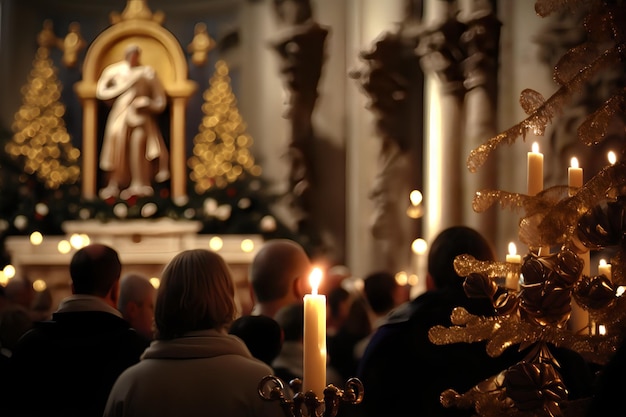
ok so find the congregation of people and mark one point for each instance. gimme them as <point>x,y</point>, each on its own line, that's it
<point>118,346</point>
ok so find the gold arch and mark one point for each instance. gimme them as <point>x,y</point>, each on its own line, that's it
<point>163,52</point>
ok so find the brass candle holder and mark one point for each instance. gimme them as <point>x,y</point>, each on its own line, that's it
<point>272,388</point>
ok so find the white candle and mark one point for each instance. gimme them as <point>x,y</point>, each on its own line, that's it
<point>604,268</point>
<point>574,176</point>
<point>314,375</point>
<point>512,279</point>
<point>535,171</point>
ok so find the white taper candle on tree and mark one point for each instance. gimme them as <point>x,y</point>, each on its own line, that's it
<point>512,279</point>
<point>535,171</point>
<point>574,176</point>
<point>604,268</point>
<point>314,375</point>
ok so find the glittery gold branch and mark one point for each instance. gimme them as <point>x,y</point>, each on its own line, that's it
<point>488,397</point>
<point>484,199</point>
<point>502,332</point>
<point>596,126</point>
<point>540,118</point>
<point>546,7</point>
<point>536,121</point>
<point>465,264</point>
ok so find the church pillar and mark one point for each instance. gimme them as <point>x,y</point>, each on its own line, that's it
<point>366,20</point>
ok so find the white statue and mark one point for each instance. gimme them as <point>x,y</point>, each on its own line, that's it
<point>132,138</point>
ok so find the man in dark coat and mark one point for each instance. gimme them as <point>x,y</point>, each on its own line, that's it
<point>403,372</point>
<point>66,366</point>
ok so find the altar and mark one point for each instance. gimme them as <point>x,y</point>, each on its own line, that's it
<point>144,247</point>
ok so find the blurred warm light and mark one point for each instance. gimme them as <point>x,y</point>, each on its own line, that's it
<point>535,147</point>
<point>216,243</point>
<point>247,245</point>
<point>39,285</point>
<point>620,291</point>
<point>9,271</point>
<point>85,238</point>
<point>512,248</point>
<point>64,246</point>
<point>268,223</point>
<point>419,246</point>
<point>573,162</point>
<point>36,238</point>
<point>155,282</point>
<point>402,278</point>
<point>612,157</point>
<point>602,329</point>
<point>413,280</point>
<point>3,279</point>
<point>415,197</point>
<point>76,241</point>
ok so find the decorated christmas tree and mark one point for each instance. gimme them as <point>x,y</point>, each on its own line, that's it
<point>41,142</point>
<point>221,152</point>
<point>567,222</point>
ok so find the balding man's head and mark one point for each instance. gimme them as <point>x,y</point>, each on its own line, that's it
<point>136,303</point>
<point>276,268</point>
<point>95,269</point>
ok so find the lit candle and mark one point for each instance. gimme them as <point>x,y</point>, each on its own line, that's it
<point>604,268</point>
<point>574,176</point>
<point>535,171</point>
<point>512,278</point>
<point>314,375</point>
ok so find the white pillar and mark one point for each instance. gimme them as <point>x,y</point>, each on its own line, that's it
<point>263,106</point>
<point>365,21</point>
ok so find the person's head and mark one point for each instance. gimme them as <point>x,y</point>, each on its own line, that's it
<point>261,334</point>
<point>136,303</point>
<point>382,291</point>
<point>450,243</point>
<point>278,275</point>
<point>20,291</point>
<point>339,301</point>
<point>132,54</point>
<point>291,320</point>
<point>95,270</point>
<point>196,293</point>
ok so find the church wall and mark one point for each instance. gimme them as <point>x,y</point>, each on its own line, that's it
<point>348,148</point>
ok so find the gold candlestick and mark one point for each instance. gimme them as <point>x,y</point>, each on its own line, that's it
<point>272,388</point>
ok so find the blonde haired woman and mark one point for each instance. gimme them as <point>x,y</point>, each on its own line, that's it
<point>194,367</point>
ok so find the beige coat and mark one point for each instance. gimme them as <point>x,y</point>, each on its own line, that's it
<point>204,373</point>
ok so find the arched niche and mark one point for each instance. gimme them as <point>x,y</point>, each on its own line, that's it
<point>162,51</point>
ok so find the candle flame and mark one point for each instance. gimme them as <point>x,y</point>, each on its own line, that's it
<point>535,147</point>
<point>602,329</point>
<point>574,162</point>
<point>612,157</point>
<point>512,249</point>
<point>602,262</point>
<point>314,279</point>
